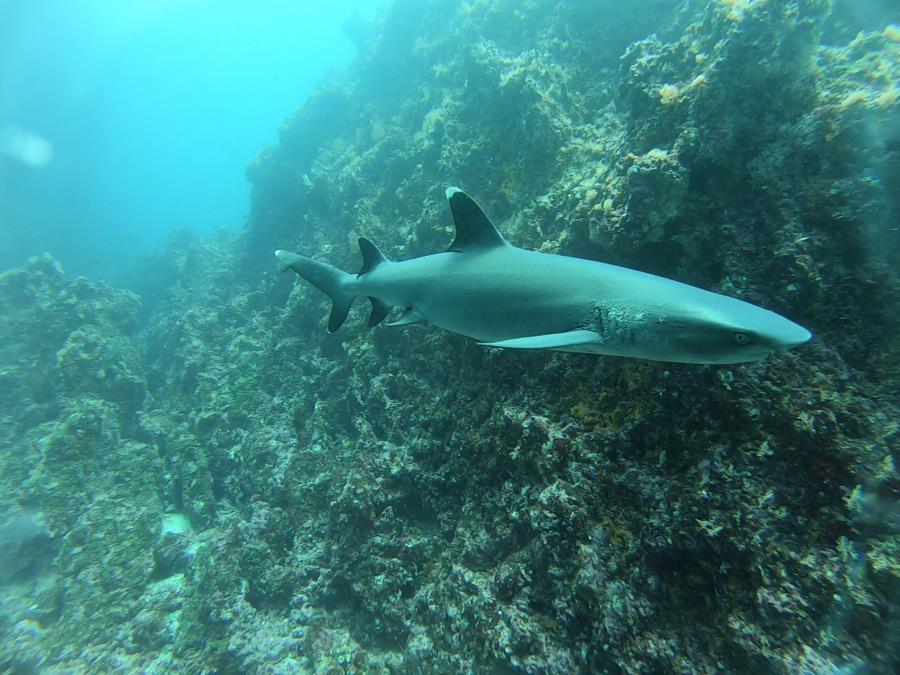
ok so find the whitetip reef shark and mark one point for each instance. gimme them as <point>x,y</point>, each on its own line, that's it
<point>503,296</point>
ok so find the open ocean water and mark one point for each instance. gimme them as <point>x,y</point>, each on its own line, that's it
<point>591,365</point>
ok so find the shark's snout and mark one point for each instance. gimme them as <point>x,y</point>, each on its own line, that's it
<point>775,331</point>
<point>792,334</point>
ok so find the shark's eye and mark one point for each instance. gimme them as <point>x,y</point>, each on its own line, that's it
<point>741,338</point>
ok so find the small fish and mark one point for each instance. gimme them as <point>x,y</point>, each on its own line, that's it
<point>26,147</point>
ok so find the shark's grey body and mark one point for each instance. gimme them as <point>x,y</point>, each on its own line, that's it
<point>505,296</point>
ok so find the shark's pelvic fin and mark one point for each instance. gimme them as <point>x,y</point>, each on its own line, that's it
<point>410,315</point>
<point>372,257</point>
<point>326,278</point>
<point>379,311</point>
<point>572,338</point>
<point>474,230</point>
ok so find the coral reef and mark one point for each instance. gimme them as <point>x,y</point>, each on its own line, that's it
<point>215,484</point>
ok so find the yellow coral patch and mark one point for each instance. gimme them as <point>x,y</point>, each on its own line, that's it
<point>669,94</point>
<point>888,97</point>
<point>735,8</point>
<point>854,97</point>
<point>697,82</point>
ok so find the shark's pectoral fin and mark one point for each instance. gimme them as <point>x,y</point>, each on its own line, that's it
<point>569,340</point>
<point>410,315</point>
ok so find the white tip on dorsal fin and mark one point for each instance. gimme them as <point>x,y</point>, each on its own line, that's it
<point>572,338</point>
<point>474,230</point>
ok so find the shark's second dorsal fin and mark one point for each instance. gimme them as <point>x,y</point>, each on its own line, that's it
<point>372,257</point>
<point>474,230</point>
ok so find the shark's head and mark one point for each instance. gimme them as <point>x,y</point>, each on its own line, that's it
<point>724,330</point>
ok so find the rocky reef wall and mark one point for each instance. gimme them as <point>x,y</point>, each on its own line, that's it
<point>228,488</point>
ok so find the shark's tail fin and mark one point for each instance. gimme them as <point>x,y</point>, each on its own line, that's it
<point>328,279</point>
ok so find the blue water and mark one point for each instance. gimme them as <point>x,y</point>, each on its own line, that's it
<point>151,112</point>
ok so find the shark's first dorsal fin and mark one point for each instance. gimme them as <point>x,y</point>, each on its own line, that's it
<point>474,230</point>
<point>372,257</point>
